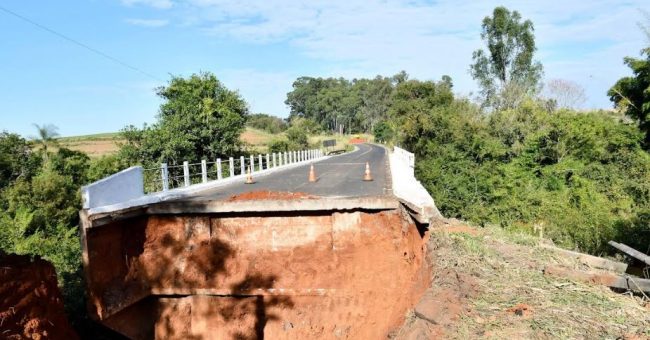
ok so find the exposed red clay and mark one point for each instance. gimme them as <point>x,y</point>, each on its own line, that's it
<point>327,275</point>
<point>357,141</point>
<point>269,195</point>
<point>30,302</point>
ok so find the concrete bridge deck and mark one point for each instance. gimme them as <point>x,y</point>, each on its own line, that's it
<point>337,176</point>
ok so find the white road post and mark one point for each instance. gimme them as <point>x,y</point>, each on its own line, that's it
<point>261,163</point>
<point>285,158</point>
<point>242,165</point>
<point>219,175</point>
<point>186,173</point>
<point>204,171</point>
<point>268,163</point>
<point>274,163</point>
<point>165,176</point>
<point>252,165</point>
<point>231,166</point>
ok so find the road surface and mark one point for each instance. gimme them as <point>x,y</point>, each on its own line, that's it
<point>338,176</point>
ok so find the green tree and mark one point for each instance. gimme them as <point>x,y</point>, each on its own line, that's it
<point>17,161</point>
<point>632,94</point>
<point>507,72</point>
<point>199,119</point>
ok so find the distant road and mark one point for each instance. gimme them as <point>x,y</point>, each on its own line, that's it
<point>338,176</point>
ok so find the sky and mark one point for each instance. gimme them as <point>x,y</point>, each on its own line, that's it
<point>260,47</point>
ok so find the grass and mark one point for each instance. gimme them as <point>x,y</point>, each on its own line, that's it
<point>506,268</point>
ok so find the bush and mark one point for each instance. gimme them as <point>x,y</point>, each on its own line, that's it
<point>278,145</point>
<point>267,123</point>
<point>297,138</point>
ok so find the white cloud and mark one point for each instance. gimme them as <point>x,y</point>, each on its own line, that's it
<point>583,41</point>
<point>160,4</point>
<point>148,22</point>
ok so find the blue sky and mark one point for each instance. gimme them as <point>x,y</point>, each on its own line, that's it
<point>260,47</point>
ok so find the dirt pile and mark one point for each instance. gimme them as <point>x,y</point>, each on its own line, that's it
<point>30,302</point>
<point>264,195</point>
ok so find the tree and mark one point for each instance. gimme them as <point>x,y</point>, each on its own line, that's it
<point>199,119</point>
<point>566,94</point>
<point>632,94</point>
<point>46,136</point>
<point>507,72</point>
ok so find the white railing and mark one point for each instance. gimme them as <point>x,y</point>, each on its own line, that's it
<point>169,177</point>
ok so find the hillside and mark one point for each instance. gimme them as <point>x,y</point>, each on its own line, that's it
<point>489,283</point>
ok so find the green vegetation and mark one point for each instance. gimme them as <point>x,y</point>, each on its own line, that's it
<point>199,118</point>
<point>270,124</point>
<point>632,94</point>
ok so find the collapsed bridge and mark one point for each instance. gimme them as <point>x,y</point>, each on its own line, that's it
<point>283,257</point>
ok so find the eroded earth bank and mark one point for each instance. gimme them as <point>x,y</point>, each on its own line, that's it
<point>339,274</point>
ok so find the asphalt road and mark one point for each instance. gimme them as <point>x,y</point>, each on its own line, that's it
<point>338,176</point>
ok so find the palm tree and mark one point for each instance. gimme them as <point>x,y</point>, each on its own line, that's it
<point>46,136</point>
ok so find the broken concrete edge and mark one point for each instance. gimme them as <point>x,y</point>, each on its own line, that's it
<point>117,201</point>
<point>408,189</point>
<point>122,186</point>
<point>248,206</point>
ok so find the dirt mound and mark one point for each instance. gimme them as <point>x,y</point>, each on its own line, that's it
<point>30,302</point>
<point>357,141</point>
<point>269,195</point>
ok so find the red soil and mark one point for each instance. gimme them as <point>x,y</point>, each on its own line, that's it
<point>269,195</point>
<point>334,275</point>
<point>30,302</point>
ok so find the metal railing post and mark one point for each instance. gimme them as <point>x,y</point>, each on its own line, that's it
<point>186,173</point>
<point>242,165</point>
<point>219,175</point>
<point>204,171</point>
<point>232,166</point>
<point>165,176</point>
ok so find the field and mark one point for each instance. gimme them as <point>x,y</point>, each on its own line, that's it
<point>100,144</point>
<point>94,145</point>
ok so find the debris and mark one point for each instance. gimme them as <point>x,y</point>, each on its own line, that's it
<point>605,279</point>
<point>521,309</point>
<point>631,252</point>
<point>592,261</point>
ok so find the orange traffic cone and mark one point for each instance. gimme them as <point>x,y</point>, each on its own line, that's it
<point>312,174</point>
<point>249,177</point>
<point>367,176</point>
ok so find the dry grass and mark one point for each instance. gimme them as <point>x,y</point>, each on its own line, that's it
<point>507,269</point>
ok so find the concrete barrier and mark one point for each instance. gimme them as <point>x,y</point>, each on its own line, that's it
<point>408,189</point>
<point>120,187</point>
